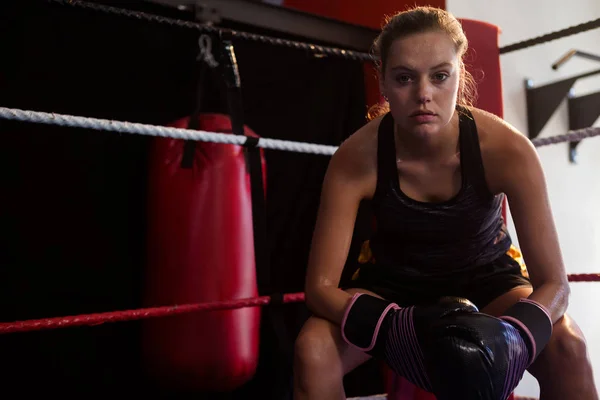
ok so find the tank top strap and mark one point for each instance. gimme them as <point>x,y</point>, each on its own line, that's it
<point>471,160</point>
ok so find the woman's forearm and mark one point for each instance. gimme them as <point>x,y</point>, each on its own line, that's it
<point>554,296</point>
<point>328,302</point>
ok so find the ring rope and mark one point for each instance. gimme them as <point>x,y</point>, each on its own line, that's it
<point>153,312</point>
<point>571,136</point>
<point>586,26</point>
<point>332,51</point>
<point>204,136</point>
<point>161,131</point>
<point>142,313</point>
<point>584,277</point>
<point>313,48</point>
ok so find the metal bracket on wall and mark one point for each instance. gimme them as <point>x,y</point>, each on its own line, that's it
<point>542,101</point>
<point>574,53</point>
<point>583,112</point>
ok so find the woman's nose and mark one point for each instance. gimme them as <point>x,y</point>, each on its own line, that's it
<point>424,90</point>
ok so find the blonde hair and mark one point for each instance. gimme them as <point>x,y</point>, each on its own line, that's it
<point>419,20</point>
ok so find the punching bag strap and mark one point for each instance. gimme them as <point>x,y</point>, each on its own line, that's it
<point>259,216</point>
<point>275,312</point>
<point>204,60</point>
<point>253,159</point>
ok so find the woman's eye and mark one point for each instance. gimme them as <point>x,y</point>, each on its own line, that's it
<point>403,78</point>
<point>441,76</point>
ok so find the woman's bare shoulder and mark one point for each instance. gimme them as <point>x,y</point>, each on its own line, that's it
<point>504,149</point>
<point>352,170</point>
<point>359,151</point>
<point>494,130</point>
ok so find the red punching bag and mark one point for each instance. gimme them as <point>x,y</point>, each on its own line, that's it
<point>201,249</point>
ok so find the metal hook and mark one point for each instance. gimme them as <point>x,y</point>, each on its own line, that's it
<point>205,44</point>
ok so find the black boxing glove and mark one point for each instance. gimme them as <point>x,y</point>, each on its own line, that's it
<point>479,356</point>
<point>396,335</point>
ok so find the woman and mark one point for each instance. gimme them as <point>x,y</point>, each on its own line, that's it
<point>435,170</point>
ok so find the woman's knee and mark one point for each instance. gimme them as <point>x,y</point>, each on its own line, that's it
<point>567,350</point>
<point>316,346</point>
<point>320,349</point>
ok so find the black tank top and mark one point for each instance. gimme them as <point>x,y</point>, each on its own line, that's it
<point>422,239</point>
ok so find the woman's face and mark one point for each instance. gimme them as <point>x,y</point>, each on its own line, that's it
<point>421,82</point>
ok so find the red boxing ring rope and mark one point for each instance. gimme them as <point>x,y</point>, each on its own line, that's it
<point>584,278</point>
<point>143,313</point>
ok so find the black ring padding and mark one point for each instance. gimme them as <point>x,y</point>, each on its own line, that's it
<point>251,142</point>
<point>276,299</point>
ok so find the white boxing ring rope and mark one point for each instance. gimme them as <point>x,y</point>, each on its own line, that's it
<point>203,136</point>
<point>155,130</point>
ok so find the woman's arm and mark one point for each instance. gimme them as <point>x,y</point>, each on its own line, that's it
<point>349,179</point>
<point>514,168</point>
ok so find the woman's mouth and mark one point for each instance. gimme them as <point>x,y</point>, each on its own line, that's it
<point>423,117</point>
